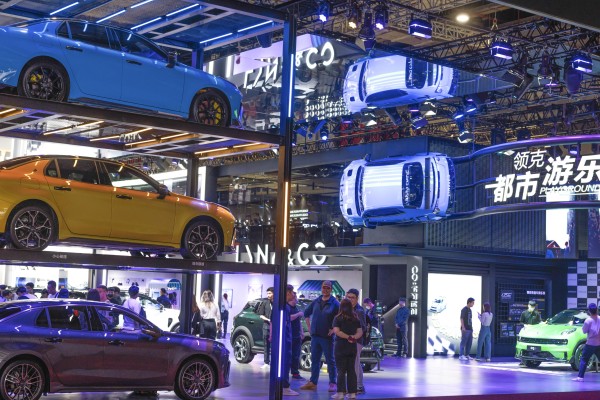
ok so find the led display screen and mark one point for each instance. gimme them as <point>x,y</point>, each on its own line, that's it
<point>560,228</point>
<point>447,295</point>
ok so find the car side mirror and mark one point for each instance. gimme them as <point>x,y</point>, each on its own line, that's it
<point>163,191</point>
<point>172,59</point>
<point>152,333</point>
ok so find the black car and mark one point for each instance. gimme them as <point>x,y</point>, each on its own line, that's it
<point>247,338</point>
<point>63,345</point>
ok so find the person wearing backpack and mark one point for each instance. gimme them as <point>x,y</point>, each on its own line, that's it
<point>133,304</point>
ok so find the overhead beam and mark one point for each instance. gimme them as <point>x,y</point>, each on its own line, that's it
<point>583,13</point>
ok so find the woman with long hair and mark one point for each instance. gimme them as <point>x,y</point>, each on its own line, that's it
<point>485,334</point>
<point>347,329</point>
<point>210,315</point>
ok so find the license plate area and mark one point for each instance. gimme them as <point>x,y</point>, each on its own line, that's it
<point>534,348</point>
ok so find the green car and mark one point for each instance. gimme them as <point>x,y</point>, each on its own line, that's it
<point>247,338</point>
<point>560,339</point>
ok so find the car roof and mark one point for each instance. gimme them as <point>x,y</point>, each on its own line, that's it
<point>33,303</point>
<point>65,19</point>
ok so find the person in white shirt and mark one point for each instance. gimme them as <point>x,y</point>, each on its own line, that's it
<point>30,294</point>
<point>591,326</point>
<point>485,334</point>
<point>210,314</point>
<point>133,304</point>
<point>225,306</point>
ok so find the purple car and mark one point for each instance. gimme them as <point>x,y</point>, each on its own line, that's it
<point>62,345</point>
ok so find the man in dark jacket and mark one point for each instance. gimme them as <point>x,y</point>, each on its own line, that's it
<point>352,295</point>
<point>319,318</point>
<point>402,328</point>
<point>264,311</point>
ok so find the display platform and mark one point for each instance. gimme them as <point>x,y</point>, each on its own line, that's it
<point>434,378</point>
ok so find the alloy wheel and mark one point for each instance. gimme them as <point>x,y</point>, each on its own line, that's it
<point>211,109</point>
<point>305,361</point>
<point>46,82</point>
<point>32,228</point>
<point>196,380</point>
<point>241,347</point>
<point>23,381</point>
<point>203,241</point>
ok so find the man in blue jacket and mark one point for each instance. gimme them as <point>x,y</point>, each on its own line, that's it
<point>319,319</point>
<point>402,328</point>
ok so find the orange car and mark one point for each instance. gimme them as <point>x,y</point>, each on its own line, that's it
<point>104,204</point>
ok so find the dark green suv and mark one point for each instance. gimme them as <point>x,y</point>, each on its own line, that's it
<point>247,338</point>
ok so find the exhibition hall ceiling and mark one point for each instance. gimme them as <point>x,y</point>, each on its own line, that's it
<point>512,93</point>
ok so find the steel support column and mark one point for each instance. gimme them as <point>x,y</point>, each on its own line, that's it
<point>283,201</point>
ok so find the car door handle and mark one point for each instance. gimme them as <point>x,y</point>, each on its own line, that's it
<point>63,188</point>
<point>53,340</point>
<point>251,322</point>
<point>133,62</point>
<point>124,197</point>
<point>75,48</point>
<point>116,342</point>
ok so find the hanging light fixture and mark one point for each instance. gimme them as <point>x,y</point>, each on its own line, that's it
<point>353,15</point>
<point>581,62</point>
<point>502,48</point>
<point>324,10</point>
<point>420,28</point>
<point>367,33</point>
<point>381,16</point>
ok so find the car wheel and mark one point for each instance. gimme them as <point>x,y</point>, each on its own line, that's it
<point>241,349</point>
<point>22,379</point>
<point>210,108</point>
<point>202,240</point>
<point>45,80</point>
<point>196,380</point>
<point>532,364</point>
<point>577,357</point>
<point>305,362</point>
<point>32,228</point>
<point>367,367</point>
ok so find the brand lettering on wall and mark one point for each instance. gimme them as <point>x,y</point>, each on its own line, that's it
<point>297,257</point>
<point>414,290</point>
<point>311,57</point>
<point>554,175</point>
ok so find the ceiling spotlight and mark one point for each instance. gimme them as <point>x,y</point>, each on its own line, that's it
<point>417,120</point>
<point>492,98</point>
<point>470,105</point>
<point>574,150</point>
<point>573,79</point>
<point>428,108</point>
<point>465,136</point>
<point>381,16</point>
<point>413,108</point>
<point>323,10</point>
<point>501,49</point>
<point>581,62</point>
<point>353,15</point>
<point>420,28</point>
<point>460,113</point>
<point>324,133</point>
<point>145,166</point>
<point>463,17</point>
<point>367,32</point>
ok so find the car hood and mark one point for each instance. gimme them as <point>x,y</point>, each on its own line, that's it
<point>194,342</point>
<point>544,331</point>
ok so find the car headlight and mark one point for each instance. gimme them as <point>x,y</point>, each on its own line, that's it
<point>568,331</point>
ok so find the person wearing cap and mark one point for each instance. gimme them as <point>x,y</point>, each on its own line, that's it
<point>133,304</point>
<point>22,293</point>
<point>466,329</point>
<point>319,317</point>
<point>591,327</point>
<point>531,316</point>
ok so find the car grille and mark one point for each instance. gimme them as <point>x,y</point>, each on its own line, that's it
<point>559,342</point>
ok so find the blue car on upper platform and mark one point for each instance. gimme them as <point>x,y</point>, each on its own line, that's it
<point>80,61</point>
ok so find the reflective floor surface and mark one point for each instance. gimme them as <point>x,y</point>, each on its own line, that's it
<point>401,378</point>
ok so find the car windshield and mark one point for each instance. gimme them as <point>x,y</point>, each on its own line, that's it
<point>577,317</point>
<point>437,300</point>
<point>412,185</point>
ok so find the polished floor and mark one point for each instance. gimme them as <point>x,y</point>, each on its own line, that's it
<point>434,377</point>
